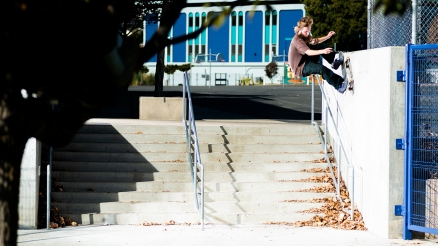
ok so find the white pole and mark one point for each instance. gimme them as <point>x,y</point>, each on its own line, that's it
<point>284,60</point>
<point>209,78</point>
<point>414,22</point>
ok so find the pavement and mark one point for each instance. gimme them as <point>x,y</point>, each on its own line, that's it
<point>240,105</point>
<point>184,235</point>
<point>290,103</point>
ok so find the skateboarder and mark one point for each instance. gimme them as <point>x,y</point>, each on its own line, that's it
<point>305,52</point>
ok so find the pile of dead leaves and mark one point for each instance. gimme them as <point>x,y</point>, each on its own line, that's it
<point>336,214</point>
<point>323,160</point>
<point>56,220</point>
<point>317,179</point>
<point>171,222</point>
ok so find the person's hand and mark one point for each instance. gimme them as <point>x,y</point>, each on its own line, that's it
<point>330,34</point>
<point>327,50</point>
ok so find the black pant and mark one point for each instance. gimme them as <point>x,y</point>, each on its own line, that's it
<point>313,65</point>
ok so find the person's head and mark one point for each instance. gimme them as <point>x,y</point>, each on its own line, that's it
<point>304,26</point>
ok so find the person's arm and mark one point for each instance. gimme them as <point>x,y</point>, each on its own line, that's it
<point>322,39</point>
<point>310,52</point>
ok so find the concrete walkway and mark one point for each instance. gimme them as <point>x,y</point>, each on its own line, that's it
<point>181,235</point>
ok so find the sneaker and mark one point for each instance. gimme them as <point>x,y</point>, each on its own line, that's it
<point>337,62</point>
<point>343,86</point>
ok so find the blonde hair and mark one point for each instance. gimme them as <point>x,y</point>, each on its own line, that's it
<point>306,21</point>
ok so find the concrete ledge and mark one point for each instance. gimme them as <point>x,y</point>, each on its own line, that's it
<point>161,108</point>
<point>29,185</point>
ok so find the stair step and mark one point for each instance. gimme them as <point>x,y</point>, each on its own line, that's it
<point>178,128</point>
<point>182,157</point>
<point>193,218</point>
<point>184,196</point>
<point>124,147</point>
<point>180,176</point>
<point>166,207</point>
<point>184,166</point>
<point>182,147</point>
<point>258,157</point>
<point>160,186</point>
<point>209,139</point>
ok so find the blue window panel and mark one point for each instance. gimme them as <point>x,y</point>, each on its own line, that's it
<point>254,37</point>
<point>151,27</point>
<point>219,38</point>
<point>240,36</point>
<point>190,29</point>
<point>233,27</point>
<point>233,58</point>
<point>274,27</point>
<point>266,58</point>
<point>197,27</point>
<point>239,58</point>
<point>267,33</point>
<point>204,33</point>
<point>288,19</point>
<point>240,28</point>
<point>179,29</point>
<point>274,34</point>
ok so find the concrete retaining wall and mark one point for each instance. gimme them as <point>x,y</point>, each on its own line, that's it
<point>368,123</point>
<point>161,108</point>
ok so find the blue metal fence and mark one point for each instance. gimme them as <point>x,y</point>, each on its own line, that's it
<point>420,208</point>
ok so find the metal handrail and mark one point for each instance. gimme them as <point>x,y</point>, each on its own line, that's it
<point>328,112</point>
<point>192,140</point>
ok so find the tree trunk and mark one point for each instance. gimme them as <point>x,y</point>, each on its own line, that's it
<point>159,75</point>
<point>159,72</point>
<point>10,162</point>
<point>13,138</point>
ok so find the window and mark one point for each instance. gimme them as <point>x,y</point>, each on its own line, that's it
<point>270,34</point>
<point>233,36</point>
<point>236,36</point>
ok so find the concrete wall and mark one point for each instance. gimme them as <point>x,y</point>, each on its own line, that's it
<point>368,123</point>
<point>162,108</point>
<point>29,185</point>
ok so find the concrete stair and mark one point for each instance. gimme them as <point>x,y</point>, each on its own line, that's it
<point>131,174</point>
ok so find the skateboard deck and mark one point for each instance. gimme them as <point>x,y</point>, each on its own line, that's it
<point>349,73</point>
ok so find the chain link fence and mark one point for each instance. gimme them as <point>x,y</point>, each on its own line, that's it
<point>395,30</point>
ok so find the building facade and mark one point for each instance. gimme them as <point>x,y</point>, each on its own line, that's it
<point>247,39</point>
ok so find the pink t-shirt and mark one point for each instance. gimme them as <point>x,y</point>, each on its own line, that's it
<point>297,49</point>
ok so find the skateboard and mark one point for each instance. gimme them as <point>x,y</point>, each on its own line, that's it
<point>349,73</point>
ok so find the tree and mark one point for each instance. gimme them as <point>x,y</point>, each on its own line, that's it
<point>159,69</point>
<point>393,6</point>
<point>271,70</point>
<point>60,61</point>
<point>348,18</point>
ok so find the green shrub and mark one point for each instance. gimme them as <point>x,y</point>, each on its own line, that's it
<point>143,79</point>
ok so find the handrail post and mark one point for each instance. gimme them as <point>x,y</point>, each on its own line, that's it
<point>49,186</point>
<point>312,119</point>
